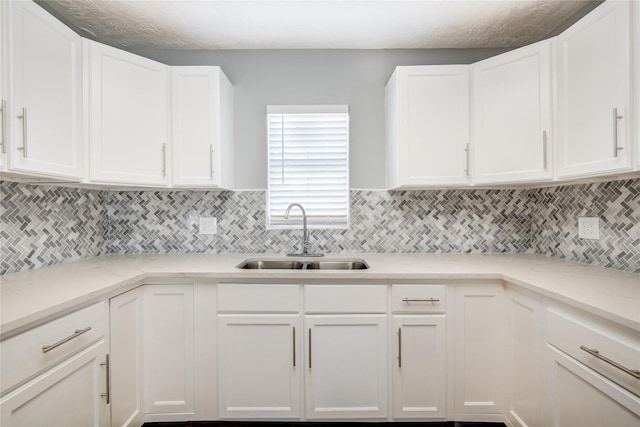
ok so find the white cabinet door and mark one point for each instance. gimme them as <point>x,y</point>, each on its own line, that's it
<point>169,349</point>
<point>427,109</point>
<point>478,333</point>
<point>45,98</point>
<point>68,395</point>
<point>129,131</point>
<point>126,315</point>
<point>512,116</point>
<point>525,369</point>
<point>577,396</point>
<point>202,127</point>
<point>419,372</point>
<point>260,363</point>
<point>635,6</point>
<point>4,63</point>
<point>346,367</point>
<point>593,71</point>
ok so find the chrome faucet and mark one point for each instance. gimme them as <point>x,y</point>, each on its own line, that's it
<point>305,232</point>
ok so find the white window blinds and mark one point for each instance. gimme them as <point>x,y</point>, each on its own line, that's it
<point>309,165</point>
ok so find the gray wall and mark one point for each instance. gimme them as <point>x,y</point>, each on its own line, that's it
<point>353,77</point>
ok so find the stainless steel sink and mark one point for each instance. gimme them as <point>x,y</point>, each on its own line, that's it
<point>304,264</point>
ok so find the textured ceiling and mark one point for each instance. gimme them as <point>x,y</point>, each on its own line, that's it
<point>315,24</point>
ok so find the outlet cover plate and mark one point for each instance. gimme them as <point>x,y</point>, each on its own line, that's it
<point>589,227</point>
<point>208,225</point>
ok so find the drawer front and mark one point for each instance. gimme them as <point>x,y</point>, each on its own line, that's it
<point>257,298</point>
<point>36,350</point>
<point>569,334</point>
<point>418,298</point>
<point>345,298</point>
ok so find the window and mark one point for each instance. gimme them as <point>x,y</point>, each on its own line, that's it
<point>308,164</point>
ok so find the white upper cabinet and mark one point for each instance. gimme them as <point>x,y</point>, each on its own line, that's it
<point>427,109</point>
<point>636,73</point>
<point>3,87</point>
<point>593,96</point>
<point>129,120</point>
<point>512,116</point>
<point>202,127</point>
<point>45,94</point>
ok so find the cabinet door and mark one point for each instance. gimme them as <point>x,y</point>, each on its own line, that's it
<point>635,6</point>
<point>525,350</point>
<point>427,111</point>
<point>478,331</point>
<point>577,396</point>
<point>126,350</point>
<point>202,127</point>
<point>4,61</point>
<point>129,117</point>
<point>260,365</point>
<point>512,116</point>
<point>419,372</point>
<point>594,93</point>
<point>46,93</point>
<point>169,349</point>
<point>68,395</point>
<point>346,367</point>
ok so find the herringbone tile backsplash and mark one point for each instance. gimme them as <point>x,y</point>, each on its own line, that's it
<point>48,225</point>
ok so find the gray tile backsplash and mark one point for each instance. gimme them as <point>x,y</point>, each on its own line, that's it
<point>48,225</point>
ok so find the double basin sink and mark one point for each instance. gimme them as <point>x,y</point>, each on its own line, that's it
<point>304,264</point>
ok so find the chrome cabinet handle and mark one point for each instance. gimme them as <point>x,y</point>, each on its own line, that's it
<point>544,149</point>
<point>23,117</point>
<point>107,393</point>
<point>596,353</point>
<point>164,160</point>
<point>3,108</point>
<point>399,347</point>
<point>420,300</point>
<point>616,117</point>
<point>466,152</point>
<point>309,348</point>
<point>76,334</point>
<point>211,160</point>
<point>294,346</point>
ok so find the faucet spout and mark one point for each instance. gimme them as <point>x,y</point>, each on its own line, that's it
<point>305,231</point>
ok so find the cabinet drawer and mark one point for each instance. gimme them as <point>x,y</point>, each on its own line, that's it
<point>345,298</point>
<point>26,355</point>
<point>576,336</point>
<point>247,298</point>
<point>418,298</point>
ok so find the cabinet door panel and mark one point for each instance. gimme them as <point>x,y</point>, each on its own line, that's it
<point>346,367</point>
<point>68,395</point>
<point>169,349</point>
<point>46,82</point>
<point>578,396</point>
<point>260,362</point>
<point>419,380</point>
<point>129,119</point>
<point>126,344</point>
<point>428,118</point>
<point>512,115</point>
<point>593,79</point>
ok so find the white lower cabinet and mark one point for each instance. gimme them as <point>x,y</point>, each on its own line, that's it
<point>260,365</point>
<point>56,374</point>
<point>169,350</point>
<point>577,396</point>
<point>419,374</point>
<point>525,356</point>
<point>69,395</point>
<point>126,317</point>
<point>346,366</point>
<point>478,360</point>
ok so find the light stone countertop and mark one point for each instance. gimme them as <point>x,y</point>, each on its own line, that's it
<point>30,298</point>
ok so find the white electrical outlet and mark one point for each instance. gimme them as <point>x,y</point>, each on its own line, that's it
<point>589,227</point>
<point>208,225</point>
